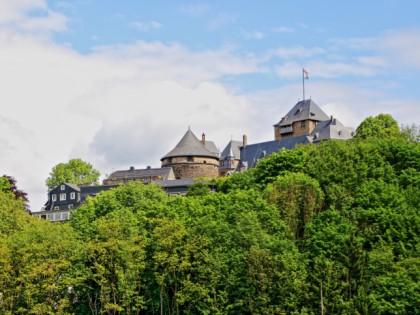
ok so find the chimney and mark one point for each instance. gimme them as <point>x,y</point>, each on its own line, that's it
<point>149,167</point>
<point>203,139</point>
<point>131,168</point>
<point>244,140</point>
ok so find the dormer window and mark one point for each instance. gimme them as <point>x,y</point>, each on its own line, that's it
<point>63,187</point>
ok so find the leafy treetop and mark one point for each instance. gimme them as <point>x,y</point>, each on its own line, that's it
<point>76,171</point>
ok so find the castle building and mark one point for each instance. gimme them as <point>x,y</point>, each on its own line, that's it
<point>193,158</point>
<point>230,157</point>
<point>300,120</point>
<point>145,176</point>
<point>305,123</point>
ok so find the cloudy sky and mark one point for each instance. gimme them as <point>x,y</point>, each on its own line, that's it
<point>118,82</point>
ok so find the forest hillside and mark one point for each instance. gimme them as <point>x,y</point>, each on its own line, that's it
<point>321,229</point>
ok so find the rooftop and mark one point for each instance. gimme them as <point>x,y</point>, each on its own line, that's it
<point>189,145</point>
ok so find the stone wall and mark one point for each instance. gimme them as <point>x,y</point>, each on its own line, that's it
<point>300,128</point>
<point>193,167</point>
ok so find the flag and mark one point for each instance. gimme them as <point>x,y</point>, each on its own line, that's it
<point>306,73</point>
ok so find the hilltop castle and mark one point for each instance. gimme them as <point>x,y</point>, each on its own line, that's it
<point>191,158</point>
<point>305,123</point>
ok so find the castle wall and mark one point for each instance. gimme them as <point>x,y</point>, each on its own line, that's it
<point>193,167</point>
<point>298,128</point>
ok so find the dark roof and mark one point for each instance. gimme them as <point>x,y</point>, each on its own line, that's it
<point>175,182</point>
<point>303,110</point>
<point>86,191</point>
<point>74,186</point>
<point>189,145</point>
<point>251,153</point>
<point>211,146</point>
<point>232,148</point>
<point>332,129</point>
<point>133,173</point>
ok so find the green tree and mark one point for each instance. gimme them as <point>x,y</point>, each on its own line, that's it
<point>8,184</point>
<point>41,269</point>
<point>75,171</point>
<point>199,188</point>
<point>381,126</point>
<point>298,197</point>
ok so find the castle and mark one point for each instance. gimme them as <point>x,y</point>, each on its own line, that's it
<point>305,123</point>
<point>191,158</point>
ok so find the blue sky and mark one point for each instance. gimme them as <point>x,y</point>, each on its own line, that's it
<point>117,83</point>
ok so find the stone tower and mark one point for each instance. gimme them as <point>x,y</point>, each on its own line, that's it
<point>300,120</point>
<point>193,158</point>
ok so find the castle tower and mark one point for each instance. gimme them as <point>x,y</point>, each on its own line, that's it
<point>230,157</point>
<point>193,158</point>
<point>300,120</point>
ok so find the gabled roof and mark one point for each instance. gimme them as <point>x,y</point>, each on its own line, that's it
<point>133,173</point>
<point>303,110</point>
<point>232,148</point>
<point>73,186</point>
<point>189,145</point>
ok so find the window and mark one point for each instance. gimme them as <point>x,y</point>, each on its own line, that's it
<point>56,208</point>
<point>71,206</point>
<point>54,197</point>
<point>72,195</point>
<point>64,215</point>
<point>62,197</point>
<point>190,159</point>
<point>62,187</point>
<point>303,124</point>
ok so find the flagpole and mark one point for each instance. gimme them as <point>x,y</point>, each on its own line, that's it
<point>303,83</point>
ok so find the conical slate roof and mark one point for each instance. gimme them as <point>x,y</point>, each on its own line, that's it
<point>232,149</point>
<point>189,145</point>
<point>303,110</point>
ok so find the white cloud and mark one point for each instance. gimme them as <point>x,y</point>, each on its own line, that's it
<point>297,52</point>
<point>283,29</point>
<point>17,14</point>
<point>196,10</point>
<point>403,47</point>
<point>146,26</point>
<point>322,69</point>
<point>221,20</point>
<point>254,35</point>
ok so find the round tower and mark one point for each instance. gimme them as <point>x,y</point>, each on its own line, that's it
<point>193,158</point>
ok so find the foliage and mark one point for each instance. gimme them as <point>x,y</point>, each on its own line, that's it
<point>199,188</point>
<point>333,226</point>
<point>381,126</point>
<point>8,184</point>
<point>75,171</point>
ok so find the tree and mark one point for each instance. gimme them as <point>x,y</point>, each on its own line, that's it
<point>381,126</point>
<point>76,171</point>
<point>8,184</point>
<point>298,198</point>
